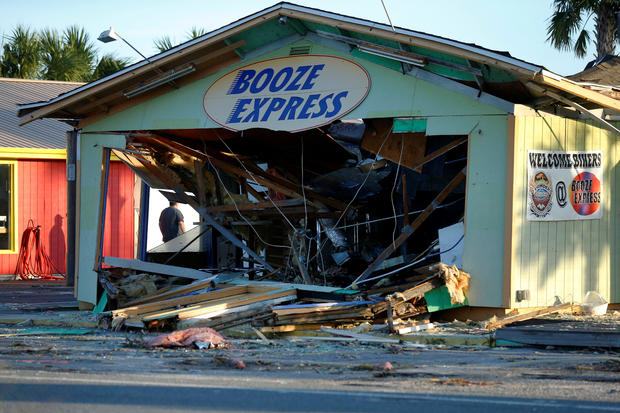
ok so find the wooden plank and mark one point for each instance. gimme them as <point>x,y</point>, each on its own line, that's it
<point>253,299</point>
<point>527,316</point>
<point>582,92</point>
<point>278,184</point>
<point>317,308</point>
<point>256,205</point>
<point>289,328</point>
<point>546,336</point>
<point>435,154</point>
<point>176,301</point>
<point>223,317</point>
<point>417,291</point>
<point>357,336</point>
<point>173,311</point>
<point>299,259</point>
<point>103,198</point>
<point>154,268</point>
<point>406,148</point>
<point>408,230</point>
<point>167,292</point>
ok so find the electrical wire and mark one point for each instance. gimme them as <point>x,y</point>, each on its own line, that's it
<point>400,158</point>
<point>410,264</point>
<point>387,135</point>
<point>303,190</point>
<point>256,182</point>
<point>372,221</point>
<point>239,212</point>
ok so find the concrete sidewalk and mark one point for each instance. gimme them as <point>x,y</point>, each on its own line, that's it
<point>41,303</point>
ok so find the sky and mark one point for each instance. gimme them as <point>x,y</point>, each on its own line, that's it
<point>516,26</point>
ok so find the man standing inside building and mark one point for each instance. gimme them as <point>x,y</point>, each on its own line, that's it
<point>171,222</point>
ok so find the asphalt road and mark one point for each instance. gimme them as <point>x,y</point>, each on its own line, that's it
<point>93,394</point>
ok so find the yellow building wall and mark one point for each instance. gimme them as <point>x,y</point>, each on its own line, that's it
<point>560,261</point>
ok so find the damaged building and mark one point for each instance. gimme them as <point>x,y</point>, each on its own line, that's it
<point>322,149</point>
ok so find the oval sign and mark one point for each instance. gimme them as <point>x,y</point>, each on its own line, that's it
<point>291,93</point>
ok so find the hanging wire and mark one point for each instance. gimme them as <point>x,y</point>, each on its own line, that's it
<point>372,221</point>
<point>410,264</point>
<point>400,158</point>
<point>219,178</point>
<point>256,182</point>
<point>387,135</point>
<point>303,190</point>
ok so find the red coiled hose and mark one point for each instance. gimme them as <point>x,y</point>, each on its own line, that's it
<point>33,262</point>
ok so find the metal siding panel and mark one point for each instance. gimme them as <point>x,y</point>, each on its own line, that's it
<point>41,186</point>
<point>615,217</point>
<point>522,239</point>
<point>561,248</point>
<point>43,133</point>
<point>564,259</point>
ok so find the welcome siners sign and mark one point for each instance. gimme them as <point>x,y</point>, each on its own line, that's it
<point>564,185</point>
<point>291,93</point>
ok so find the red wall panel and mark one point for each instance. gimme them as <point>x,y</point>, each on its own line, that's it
<point>42,197</point>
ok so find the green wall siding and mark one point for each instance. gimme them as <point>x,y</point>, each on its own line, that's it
<point>91,155</point>
<point>392,94</point>
<point>562,260</point>
<point>483,255</point>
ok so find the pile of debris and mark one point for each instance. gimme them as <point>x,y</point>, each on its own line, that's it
<point>226,300</point>
<point>316,226</point>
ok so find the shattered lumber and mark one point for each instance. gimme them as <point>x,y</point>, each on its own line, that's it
<point>527,316</point>
<point>154,268</point>
<point>407,231</point>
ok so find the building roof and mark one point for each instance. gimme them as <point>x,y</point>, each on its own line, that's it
<point>492,72</point>
<point>42,134</point>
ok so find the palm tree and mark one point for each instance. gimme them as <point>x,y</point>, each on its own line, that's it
<point>195,32</point>
<point>107,65</point>
<point>165,43</point>
<point>567,26</point>
<point>56,61</point>
<point>82,50</point>
<point>20,57</point>
<point>69,57</point>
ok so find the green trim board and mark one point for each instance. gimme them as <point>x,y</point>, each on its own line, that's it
<point>439,299</point>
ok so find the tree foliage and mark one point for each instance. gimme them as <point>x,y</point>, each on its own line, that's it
<point>567,28</point>
<point>20,54</point>
<point>51,55</point>
<point>166,43</point>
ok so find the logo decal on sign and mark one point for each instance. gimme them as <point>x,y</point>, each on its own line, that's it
<point>540,191</point>
<point>585,193</point>
<point>291,93</point>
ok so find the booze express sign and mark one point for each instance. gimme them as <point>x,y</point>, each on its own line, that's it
<point>564,185</point>
<point>291,93</point>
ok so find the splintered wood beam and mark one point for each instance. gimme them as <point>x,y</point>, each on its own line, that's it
<point>155,268</point>
<point>209,219</point>
<point>411,228</point>
<point>435,154</point>
<point>103,198</point>
<point>527,316</point>
<point>200,182</point>
<point>298,258</point>
<point>602,122</point>
<point>256,205</point>
<point>278,184</point>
